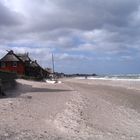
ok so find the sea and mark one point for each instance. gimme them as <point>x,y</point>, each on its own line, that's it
<point>135,77</point>
<point>130,81</point>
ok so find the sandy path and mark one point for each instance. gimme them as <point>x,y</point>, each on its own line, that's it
<point>71,110</point>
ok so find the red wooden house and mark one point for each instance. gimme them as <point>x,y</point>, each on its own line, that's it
<point>11,62</point>
<point>22,65</point>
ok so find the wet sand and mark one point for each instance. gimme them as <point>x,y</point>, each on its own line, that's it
<point>73,110</point>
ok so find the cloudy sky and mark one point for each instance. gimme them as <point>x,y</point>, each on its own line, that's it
<point>86,36</point>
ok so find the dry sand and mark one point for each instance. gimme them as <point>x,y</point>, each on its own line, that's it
<point>73,110</point>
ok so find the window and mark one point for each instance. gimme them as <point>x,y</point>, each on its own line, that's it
<point>3,65</point>
<point>14,64</point>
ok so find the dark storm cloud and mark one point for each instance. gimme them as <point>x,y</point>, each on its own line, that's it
<point>44,16</point>
<point>85,14</point>
<point>8,17</point>
<point>81,25</point>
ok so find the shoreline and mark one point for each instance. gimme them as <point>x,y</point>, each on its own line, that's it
<point>126,83</point>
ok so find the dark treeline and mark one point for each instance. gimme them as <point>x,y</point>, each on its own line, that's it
<point>60,75</point>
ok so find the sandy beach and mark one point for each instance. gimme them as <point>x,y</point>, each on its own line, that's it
<point>72,110</point>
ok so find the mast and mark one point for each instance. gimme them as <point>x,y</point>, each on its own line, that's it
<point>53,64</point>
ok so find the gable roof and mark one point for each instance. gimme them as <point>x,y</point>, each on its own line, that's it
<point>34,64</point>
<point>10,56</point>
<point>49,70</point>
<point>24,57</point>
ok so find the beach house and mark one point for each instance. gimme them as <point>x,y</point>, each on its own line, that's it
<point>11,62</point>
<point>22,65</point>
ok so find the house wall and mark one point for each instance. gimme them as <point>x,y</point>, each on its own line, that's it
<point>19,69</point>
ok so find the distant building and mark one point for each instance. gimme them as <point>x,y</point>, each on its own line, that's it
<point>22,65</point>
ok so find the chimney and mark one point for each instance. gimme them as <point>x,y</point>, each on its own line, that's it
<point>11,51</point>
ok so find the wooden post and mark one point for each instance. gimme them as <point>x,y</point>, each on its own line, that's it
<point>53,65</point>
<point>0,87</point>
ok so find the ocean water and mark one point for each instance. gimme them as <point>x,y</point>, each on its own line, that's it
<point>135,77</point>
<point>130,81</point>
<point>113,77</point>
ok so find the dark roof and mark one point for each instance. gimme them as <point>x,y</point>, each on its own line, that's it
<point>49,70</point>
<point>34,64</point>
<point>10,56</point>
<point>24,57</point>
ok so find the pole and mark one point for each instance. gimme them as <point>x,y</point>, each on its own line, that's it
<point>53,64</point>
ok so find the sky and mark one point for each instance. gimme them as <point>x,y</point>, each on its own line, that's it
<point>85,36</point>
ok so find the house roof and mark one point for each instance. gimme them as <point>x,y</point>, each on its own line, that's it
<point>24,57</point>
<point>34,64</point>
<point>10,56</point>
<point>49,70</point>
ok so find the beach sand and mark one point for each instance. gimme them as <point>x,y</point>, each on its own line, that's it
<point>72,110</point>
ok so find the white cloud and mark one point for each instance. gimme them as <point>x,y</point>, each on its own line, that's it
<point>126,58</point>
<point>71,58</point>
